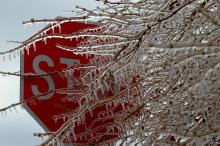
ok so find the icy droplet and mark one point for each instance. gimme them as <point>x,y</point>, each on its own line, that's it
<point>34,45</point>
<point>9,56</point>
<point>3,57</point>
<point>59,27</point>
<point>27,49</point>
<point>15,109</point>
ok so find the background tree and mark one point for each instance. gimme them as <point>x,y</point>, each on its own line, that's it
<point>170,50</point>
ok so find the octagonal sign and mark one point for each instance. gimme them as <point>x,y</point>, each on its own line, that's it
<point>44,59</point>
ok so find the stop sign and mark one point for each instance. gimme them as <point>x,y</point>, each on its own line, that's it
<point>50,62</point>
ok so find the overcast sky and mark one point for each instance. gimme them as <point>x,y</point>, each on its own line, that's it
<point>16,129</point>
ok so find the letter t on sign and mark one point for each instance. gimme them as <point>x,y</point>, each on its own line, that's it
<point>69,63</point>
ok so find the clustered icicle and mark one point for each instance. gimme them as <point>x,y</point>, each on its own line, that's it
<point>171,48</point>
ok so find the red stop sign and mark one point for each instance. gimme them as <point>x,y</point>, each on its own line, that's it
<point>45,57</point>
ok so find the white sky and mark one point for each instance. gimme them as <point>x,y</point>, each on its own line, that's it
<point>16,129</point>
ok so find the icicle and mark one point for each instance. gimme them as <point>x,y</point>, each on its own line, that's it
<point>112,113</point>
<point>22,106</point>
<point>99,117</point>
<point>3,57</point>
<point>22,52</point>
<point>107,106</point>
<point>66,73</point>
<point>14,55</point>
<point>87,55</point>
<point>64,119</point>
<point>78,121</point>
<point>31,24</point>
<point>102,89</point>
<point>18,53</point>
<point>71,38</point>
<point>15,109</point>
<point>114,103</point>
<point>45,40</point>
<point>42,34</point>
<point>34,46</point>
<point>68,137</point>
<point>96,95</point>
<point>58,142</point>
<point>9,56</point>
<point>115,77</point>
<point>59,27</point>
<point>2,114</point>
<point>5,113</point>
<point>90,111</point>
<point>84,81</point>
<point>74,135</point>
<point>80,104</point>
<point>27,49</point>
<point>25,25</point>
<point>123,106</point>
<point>106,85</point>
<point>83,119</point>
<point>53,29</point>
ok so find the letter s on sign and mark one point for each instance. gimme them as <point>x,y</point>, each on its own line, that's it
<point>49,80</point>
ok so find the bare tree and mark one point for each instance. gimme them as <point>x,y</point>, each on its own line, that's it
<point>165,55</point>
